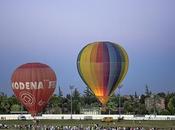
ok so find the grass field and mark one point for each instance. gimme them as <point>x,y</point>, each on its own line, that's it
<point>146,124</point>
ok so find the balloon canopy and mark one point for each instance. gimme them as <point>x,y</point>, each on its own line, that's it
<point>33,84</point>
<point>102,66</point>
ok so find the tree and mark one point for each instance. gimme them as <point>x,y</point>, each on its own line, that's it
<point>135,95</point>
<point>171,105</point>
<point>162,94</point>
<point>76,101</point>
<point>112,104</point>
<point>128,107</point>
<point>142,99</point>
<point>142,109</point>
<point>147,91</point>
<point>87,92</point>
<point>55,104</point>
<point>4,104</point>
<point>66,104</point>
<point>60,92</point>
<point>13,100</point>
<point>15,107</point>
<point>167,99</point>
<point>55,101</point>
<point>88,98</point>
<point>164,112</point>
<point>76,94</point>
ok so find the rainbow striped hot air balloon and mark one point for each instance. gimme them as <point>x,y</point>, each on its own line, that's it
<point>102,66</point>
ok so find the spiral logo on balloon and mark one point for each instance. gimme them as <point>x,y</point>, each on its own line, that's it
<point>27,98</point>
<point>41,103</point>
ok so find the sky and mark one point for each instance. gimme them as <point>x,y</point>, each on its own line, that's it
<point>53,32</point>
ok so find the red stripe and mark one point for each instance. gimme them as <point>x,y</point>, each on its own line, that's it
<point>106,69</point>
<point>99,57</point>
<point>34,65</point>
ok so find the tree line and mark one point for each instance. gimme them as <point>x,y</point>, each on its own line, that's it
<point>128,104</point>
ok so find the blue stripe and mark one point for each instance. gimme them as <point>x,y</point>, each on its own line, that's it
<point>115,66</point>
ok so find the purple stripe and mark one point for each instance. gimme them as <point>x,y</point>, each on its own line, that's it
<point>106,69</point>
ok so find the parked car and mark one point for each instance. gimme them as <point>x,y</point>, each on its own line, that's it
<point>107,119</point>
<point>21,117</point>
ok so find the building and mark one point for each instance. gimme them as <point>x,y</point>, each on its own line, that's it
<point>154,103</point>
<point>90,111</point>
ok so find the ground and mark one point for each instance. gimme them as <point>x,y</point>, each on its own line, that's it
<point>146,124</point>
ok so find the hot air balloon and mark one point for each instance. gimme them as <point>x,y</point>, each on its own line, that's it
<point>102,66</point>
<point>33,84</point>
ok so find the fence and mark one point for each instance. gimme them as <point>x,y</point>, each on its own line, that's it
<point>85,117</point>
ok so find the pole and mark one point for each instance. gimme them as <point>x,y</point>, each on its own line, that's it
<point>71,88</point>
<point>154,104</point>
<point>71,104</point>
<point>119,104</point>
<point>119,109</point>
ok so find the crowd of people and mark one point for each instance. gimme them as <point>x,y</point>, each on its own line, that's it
<point>95,127</point>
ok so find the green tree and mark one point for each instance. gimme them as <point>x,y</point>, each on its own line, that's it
<point>135,95</point>
<point>76,94</point>
<point>4,104</point>
<point>142,99</point>
<point>162,94</point>
<point>147,91</point>
<point>128,107</point>
<point>88,97</point>
<point>167,99</point>
<point>142,109</point>
<point>66,104</point>
<point>55,101</point>
<point>76,101</point>
<point>112,104</point>
<point>171,105</point>
<point>164,112</point>
<point>13,100</point>
<point>15,107</point>
<point>55,104</point>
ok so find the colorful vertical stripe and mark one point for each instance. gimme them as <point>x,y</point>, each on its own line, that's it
<point>102,66</point>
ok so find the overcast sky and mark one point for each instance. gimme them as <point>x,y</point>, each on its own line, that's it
<point>53,32</point>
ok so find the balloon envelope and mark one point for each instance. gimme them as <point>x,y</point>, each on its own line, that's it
<point>102,66</point>
<point>33,84</point>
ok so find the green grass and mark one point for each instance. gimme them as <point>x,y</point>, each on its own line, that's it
<point>146,124</point>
